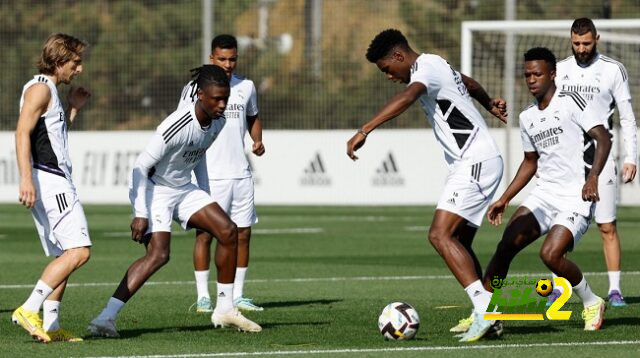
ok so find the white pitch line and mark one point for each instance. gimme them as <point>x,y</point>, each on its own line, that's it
<point>294,230</point>
<point>387,350</point>
<point>319,279</point>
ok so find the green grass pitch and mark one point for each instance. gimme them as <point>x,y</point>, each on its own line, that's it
<point>323,275</point>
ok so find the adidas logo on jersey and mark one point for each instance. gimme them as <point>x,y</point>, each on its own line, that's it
<point>452,201</point>
<point>610,182</point>
<point>40,292</point>
<point>388,173</point>
<point>221,294</point>
<point>572,219</point>
<point>565,78</point>
<point>531,125</point>
<point>315,172</point>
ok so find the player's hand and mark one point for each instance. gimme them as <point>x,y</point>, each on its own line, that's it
<point>499,109</point>
<point>495,212</point>
<point>27,193</point>
<point>258,148</point>
<point>628,172</point>
<point>78,97</point>
<point>590,189</point>
<point>138,229</point>
<point>354,144</point>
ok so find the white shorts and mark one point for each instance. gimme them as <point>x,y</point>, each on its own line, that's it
<point>470,188</point>
<point>548,214</point>
<point>166,203</point>
<point>608,192</point>
<point>235,197</point>
<point>60,222</point>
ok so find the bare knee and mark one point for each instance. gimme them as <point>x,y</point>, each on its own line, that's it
<point>229,235</point>
<point>244,236</point>
<point>79,255</point>
<point>203,238</point>
<point>608,231</point>
<point>158,258</point>
<point>550,255</point>
<point>438,237</point>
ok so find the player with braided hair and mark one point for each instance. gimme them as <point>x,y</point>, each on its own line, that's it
<point>161,189</point>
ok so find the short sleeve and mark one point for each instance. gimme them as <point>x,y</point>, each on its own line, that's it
<point>427,71</point>
<point>527,144</point>
<point>252,105</point>
<point>591,116</point>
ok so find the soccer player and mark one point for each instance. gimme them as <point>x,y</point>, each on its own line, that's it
<point>553,132</point>
<point>602,82</point>
<point>45,183</point>
<point>229,173</point>
<point>475,164</point>
<point>161,189</point>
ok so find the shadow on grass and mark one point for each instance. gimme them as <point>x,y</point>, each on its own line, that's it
<point>621,321</point>
<point>530,329</point>
<point>632,300</point>
<point>298,303</point>
<point>132,333</point>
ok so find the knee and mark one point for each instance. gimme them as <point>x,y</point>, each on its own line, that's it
<point>549,255</point>
<point>438,237</point>
<point>244,236</point>
<point>80,255</point>
<point>229,235</point>
<point>159,257</point>
<point>607,231</point>
<point>203,238</point>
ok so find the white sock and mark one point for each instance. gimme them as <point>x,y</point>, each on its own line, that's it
<point>584,292</point>
<point>37,297</point>
<point>224,301</point>
<point>558,288</point>
<point>614,281</point>
<point>238,283</point>
<point>114,306</point>
<point>202,283</point>
<point>50,312</point>
<point>479,296</point>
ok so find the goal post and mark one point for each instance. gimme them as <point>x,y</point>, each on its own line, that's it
<point>492,53</point>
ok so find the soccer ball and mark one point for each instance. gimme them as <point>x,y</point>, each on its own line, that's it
<point>544,287</point>
<point>399,321</point>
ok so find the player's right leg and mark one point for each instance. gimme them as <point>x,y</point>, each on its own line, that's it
<point>522,230</point>
<point>212,219</point>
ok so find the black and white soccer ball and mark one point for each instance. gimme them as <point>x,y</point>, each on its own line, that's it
<point>398,321</point>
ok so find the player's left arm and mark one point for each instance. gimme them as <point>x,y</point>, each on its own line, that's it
<point>622,96</point>
<point>496,106</point>
<point>395,107</point>
<point>255,131</point>
<point>603,140</point>
<point>77,97</point>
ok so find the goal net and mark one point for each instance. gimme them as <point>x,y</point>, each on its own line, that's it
<point>492,53</point>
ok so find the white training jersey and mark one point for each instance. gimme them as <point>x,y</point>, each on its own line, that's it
<point>175,150</point>
<point>603,83</point>
<point>457,124</point>
<point>226,158</point>
<point>178,144</point>
<point>49,139</point>
<point>558,135</point>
